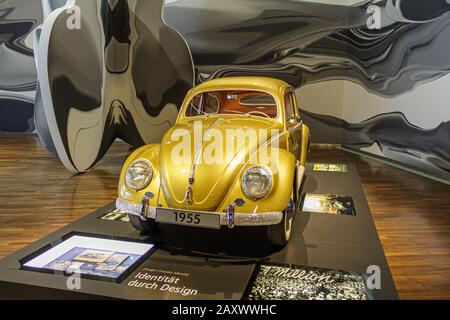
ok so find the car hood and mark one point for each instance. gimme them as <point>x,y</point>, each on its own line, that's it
<point>210,148</point>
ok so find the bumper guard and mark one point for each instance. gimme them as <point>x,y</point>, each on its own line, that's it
<point>240,219</point>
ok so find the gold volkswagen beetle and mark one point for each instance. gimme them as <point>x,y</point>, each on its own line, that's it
<point>235,157</point>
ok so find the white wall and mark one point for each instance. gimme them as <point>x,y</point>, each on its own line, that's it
<point>426,107</point>
<point>323,98</point>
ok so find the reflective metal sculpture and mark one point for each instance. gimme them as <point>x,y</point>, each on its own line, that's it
<point>108,70</point>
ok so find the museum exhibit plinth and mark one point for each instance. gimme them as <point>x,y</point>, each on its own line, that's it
<point>327,251</point>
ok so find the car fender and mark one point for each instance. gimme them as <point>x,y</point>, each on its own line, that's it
<point>149,153</point>
<point>283,174</point>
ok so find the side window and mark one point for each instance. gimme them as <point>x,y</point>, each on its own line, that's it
<point>289,108</point>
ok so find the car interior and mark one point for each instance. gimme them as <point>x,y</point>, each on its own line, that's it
<point>239,102</point>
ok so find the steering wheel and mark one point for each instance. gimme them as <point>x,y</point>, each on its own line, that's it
<point>259,113</point>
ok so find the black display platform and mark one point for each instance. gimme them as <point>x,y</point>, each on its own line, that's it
<point>213,264</point>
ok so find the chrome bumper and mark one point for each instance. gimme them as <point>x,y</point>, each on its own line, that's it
<point>240,219</point>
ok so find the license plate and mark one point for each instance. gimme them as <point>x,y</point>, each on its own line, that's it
<point>188,218</point>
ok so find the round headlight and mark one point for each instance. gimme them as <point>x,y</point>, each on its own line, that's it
<point>256,182</point>
<point>139,175</point>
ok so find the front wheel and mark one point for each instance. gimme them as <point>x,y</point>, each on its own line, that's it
<point>280,234</point>
<point>144,226</point>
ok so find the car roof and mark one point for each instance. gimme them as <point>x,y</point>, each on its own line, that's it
<point>271,85</point>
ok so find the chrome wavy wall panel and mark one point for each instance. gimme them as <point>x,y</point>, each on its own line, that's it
<point>18,18</point>
<point>396,137</point>
<point>122,74</point>
<point>263,37</point>
<point>307,43</point>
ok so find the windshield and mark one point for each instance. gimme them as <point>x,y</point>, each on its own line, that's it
<point>238,102</point>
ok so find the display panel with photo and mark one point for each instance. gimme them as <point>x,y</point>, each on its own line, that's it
<point>328,167</point>
<point>103,258</point>
<point>291,282</point>
<point>116,215</point>
<point>329,203</point>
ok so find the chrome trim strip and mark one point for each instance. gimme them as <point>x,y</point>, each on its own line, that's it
<point>199,148</point>
<point>240,219</point>
<point>198,152</point>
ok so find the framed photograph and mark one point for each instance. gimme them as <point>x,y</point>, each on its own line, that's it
<point>329,203</point>
<point>96,256</point>
<point>328,167</point>
<point>116,215</point>
<point>91,257</point>
<point>294,282</point>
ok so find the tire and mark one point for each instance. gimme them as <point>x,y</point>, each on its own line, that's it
<point>144,226</point>
<point>280,234</point>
